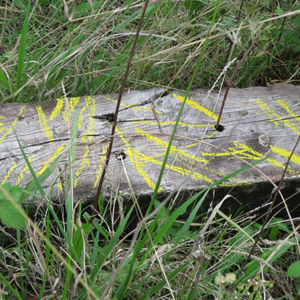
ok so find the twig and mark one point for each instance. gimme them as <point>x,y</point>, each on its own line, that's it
<point>155,114</point>
<point>118,107</point>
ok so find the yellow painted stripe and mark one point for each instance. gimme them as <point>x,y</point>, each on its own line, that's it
<point>23,171</point>
<point>12,125</point>
<point>150,159</point>
<point>101,162</point>
<point>57,109</point>
<point>271,113</point>
<point>69,108</point>
<point>285,153</point>
<point>174,150</point>
<point>3,129</point>
<point>255,155</point>
<point>47,163</point>
<point>182,158</point>
<point>286,107</point>
<point>265,108</point>
<point>84,162</point>
<point>90,104</point>
<point>44,123</point>
<point>13,166</point>
<point>197,106</point>
<point>137,159</point>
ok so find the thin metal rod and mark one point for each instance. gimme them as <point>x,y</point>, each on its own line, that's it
<point>118,108</point>
<point>230,82</point>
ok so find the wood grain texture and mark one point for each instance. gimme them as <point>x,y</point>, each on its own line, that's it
<point>259,122</point>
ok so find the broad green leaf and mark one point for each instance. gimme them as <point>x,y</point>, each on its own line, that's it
<point>294,269</point>
<point>78,239</point>
<point>9,214</point>
<point>193,5</point>
<point>296,21</point>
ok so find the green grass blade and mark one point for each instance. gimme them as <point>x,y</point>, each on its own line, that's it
<point>106,251</point>
<point>69,203</point>
<point>36,180</point>
<point>237,227</point>
<point>23,45</point>
<point>70,184</point>
<point>190,219</point>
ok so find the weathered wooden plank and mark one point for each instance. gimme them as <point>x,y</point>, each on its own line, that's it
<point>259,121</point>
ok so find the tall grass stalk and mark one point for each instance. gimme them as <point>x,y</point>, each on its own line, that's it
<point>23,46</point>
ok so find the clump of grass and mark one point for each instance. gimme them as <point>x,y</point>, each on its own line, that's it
<point>159,258</point>
<point>46,43</point>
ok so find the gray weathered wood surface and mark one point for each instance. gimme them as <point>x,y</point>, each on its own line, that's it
<point>259,121</point>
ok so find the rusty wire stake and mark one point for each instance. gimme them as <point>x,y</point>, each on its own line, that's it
<point>118,108</point>
<point>218,126</point>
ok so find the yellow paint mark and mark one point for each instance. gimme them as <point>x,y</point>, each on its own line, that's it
<point>255,155</point>
<point>101,162</point>
<point>22,172</point>
<point>90,103</point>
<point>13,166</point>
<point>231,152</point>
<point>285,153</point>
<point>12,125</point>
<point>286,107</point>
<point>265,108</point>
<point>2,117</point>
<point>270,112</point>
<point>57,110</point>
<point>139,160</point>
<point>174,150</point>
<point>216,154</point>
<point>72,102</point>
<point>213,154</point>
<point>3,129</point>
<point>182,158</point>
<point>44,124</point>
<point>84,161</point>
<point>197,106</point>
<point>115,101</point>
<point>1,124</point>
<point>210,136</point>
<point>46,163</point>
